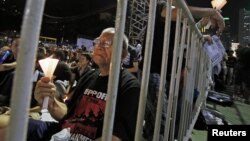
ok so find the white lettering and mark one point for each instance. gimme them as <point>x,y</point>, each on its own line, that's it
<point>91,92</point>
<point>221,133</point>
<point>235,133</point>
<point>243,133</point>
<point>215,132</point>
<point>97,94</point>
<point>104,96</point>
<point>86,91</point>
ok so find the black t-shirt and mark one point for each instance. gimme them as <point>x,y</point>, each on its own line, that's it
<point>6,80</point>
<point>158,42</point>
<point>6,89</point>
<point>231,61</point>
<point>76,71</point>
<point>62,72</point>
<point>87,107</point>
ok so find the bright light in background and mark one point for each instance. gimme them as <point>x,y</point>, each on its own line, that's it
<point>218,4</point>
<point>234,47</point>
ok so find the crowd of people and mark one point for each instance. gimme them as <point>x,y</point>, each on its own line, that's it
<point>78,92</point>
<point>234,73</point>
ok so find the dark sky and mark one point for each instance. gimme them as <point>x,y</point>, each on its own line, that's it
<point>60,7</point>
<point>231,10</point>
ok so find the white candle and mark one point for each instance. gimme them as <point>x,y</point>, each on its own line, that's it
<point>48,66</point>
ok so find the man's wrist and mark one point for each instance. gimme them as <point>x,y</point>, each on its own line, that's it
<point>213,11</point>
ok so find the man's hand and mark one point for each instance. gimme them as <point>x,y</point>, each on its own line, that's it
<point>208,38</point>
<point>43,89</point>
<point>217,20</point>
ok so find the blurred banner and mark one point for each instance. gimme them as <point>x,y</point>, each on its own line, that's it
<point>215,50</point>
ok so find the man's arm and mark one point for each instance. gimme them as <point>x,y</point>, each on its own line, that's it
<point>7,66</point>
<point>58,110</point>
<point>199,12</point>
<point>214,15</point>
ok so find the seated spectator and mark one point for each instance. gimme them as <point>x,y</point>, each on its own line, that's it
<point>62,71</point>
<point>84,113</point>
<point>82,67</point>
<point>9,64</point>
<point>7,73</point>
<point>6,84</point>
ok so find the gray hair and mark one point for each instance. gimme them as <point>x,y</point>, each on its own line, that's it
<point>111,30</point>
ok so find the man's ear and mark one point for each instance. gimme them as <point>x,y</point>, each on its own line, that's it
<point>124,53</point>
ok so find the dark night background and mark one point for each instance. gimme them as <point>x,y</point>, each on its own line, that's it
<point>68,19</point>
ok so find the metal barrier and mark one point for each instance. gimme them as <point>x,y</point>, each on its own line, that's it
<point>197,67</point>
<point>21,91</point>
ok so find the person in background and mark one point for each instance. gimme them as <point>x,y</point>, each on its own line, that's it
<point>62,71</point>
<point>7,83</point>
<point>224,68</point>
<point>131,62</point>
<point>7,60</point>
<point>82,67</point>
<point>10,63</point>
<point>242,87</point>
<point>231,61</point>
<point>239,72</point>
<point>7,71</point>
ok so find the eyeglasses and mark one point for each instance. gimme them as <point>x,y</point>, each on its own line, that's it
<point>105,44</point>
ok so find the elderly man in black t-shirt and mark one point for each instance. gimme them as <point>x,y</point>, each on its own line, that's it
<point>84,113</point>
